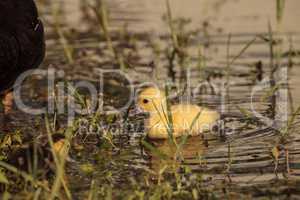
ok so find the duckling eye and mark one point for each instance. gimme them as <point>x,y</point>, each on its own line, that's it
<point>145,101</point>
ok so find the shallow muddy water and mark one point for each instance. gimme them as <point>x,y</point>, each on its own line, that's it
<point>252,166</point>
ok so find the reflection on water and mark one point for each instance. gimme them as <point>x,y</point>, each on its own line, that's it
<point>234,16</point>
<point>167,154</point>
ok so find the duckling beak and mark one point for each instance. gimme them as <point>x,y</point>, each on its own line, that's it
<point>138,112</point>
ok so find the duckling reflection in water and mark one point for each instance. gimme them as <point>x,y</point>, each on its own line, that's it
<point>167,156</point>
<point>186,118</point>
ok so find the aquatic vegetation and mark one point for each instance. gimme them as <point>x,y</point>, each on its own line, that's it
<point>64,41</point>
<point>102,16</point>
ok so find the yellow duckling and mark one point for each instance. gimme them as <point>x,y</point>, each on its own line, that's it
<point>186,119</point>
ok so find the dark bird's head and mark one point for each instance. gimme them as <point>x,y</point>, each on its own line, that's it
<point>17,13</point>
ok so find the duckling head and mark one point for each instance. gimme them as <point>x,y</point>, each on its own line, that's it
<point>151,100</point>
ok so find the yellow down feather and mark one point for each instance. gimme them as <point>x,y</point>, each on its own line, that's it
<point>186,118</point>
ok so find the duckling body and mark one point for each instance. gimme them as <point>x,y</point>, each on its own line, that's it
<point>186,119</point>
